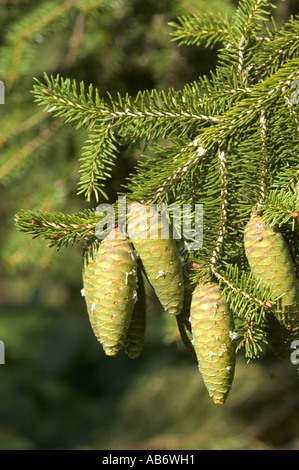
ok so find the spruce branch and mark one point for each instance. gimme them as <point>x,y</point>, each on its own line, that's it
<point>195,30</point>
<point>217,93</point>
<point>250,14</point>
<point>246,175</point>
<point>61,229</point>
<point>247,35</point>
<point>262,96</point>
<point>283,144</point>
<point>251,337</point>
<point>156,114</point>
<point>149,114</point>
<point>280,207</point>
<point>293,181</point>
<point>241,115</point>
<point>65,99</point>
<point>245,18</point>
<point>293,113</point>
<point>265,157</point>
<point>97,160</point>
<point>282,46</point>
<point>223,210</point>
<point>182,163</point>
<point>243,291</point>
<point>250,301</point>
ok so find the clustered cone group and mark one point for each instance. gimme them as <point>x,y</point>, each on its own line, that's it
<point>114,285</point>
<point>113,281</point>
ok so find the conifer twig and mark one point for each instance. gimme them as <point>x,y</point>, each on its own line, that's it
<point>61,229</point>
<point>265,162</point>
<point>223,211</point>
<point>195,152</point>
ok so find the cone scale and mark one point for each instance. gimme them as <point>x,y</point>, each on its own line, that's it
<point>270,260</point>
<point>213,340</point>
<point>159,256</point>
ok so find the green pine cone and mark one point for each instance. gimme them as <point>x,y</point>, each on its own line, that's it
<point>213,340</point>
<point>270,260</point>
<point>115,283</point>
<point>88,273</point>
<point>135,336</point>
<point>159,256</point>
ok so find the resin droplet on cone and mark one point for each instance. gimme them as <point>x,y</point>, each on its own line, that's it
<point>213,340</point>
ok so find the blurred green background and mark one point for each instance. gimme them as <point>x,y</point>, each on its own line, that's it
<point>57,389</point>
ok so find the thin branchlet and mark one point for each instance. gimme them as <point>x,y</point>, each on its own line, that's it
<point>223,210</point>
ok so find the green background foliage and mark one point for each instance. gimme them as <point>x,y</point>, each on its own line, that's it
<point>57,389</point>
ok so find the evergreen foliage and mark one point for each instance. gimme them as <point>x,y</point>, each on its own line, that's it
<point>228,141</point>
<point>116,46</point>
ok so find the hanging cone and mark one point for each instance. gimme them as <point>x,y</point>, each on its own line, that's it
<point>135,336</point>
<point>213,340</point>
<point>270,260</point>
<point>115,283</point>
<point>88,273</point>
<point>159,256</point>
